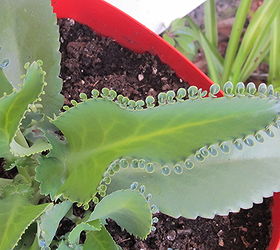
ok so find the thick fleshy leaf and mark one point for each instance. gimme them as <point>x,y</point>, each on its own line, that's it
<point>49,221</point>
<point>230,177</point>
<point>64,246</point>
<point>129,209</point>
<point>16,214</point>
<point>29,240</point>
<point>98,132</point>
<point>100,240</point>
<point>14,106</point>
<point>28,32</point>
<point>4,182</point>
<point>38,146</point>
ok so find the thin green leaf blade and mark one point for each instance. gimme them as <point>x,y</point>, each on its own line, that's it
<point>255,32</point>
<point>274,62</point>
<point>213,58</point>
<point>210,21</point>
<point>235,35</point>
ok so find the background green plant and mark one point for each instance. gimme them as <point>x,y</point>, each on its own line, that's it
<point>245,50</point>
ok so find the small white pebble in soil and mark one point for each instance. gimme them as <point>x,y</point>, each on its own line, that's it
<point>154,70</point>
<point>220,233</point>
<point>221,242</point>
<point>71,21</point>
<point>140,77</point>
<point>171,235</point>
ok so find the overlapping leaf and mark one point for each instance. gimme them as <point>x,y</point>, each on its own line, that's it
<point>218,184</point>
<point>129,209</point>
<point>50,220</point>
<point>100,240</point>
<point>14,106</point>
<point>169,133</point>
<point>16,214</point>
<point>32,34</point>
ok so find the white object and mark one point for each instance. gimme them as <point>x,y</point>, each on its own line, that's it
<point>156,14</point>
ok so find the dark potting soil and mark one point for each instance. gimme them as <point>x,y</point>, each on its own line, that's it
<point>92,61</point>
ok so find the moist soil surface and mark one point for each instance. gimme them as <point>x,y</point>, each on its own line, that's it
<point>91,61</point>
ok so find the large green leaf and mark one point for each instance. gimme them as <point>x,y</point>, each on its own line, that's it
<point>100,240</point>
<point>217,185</point>
<point>16,214</point>
<point>14,106</point>
<point>129,209</point>
<point>28,32</point>
<point>98,131</point>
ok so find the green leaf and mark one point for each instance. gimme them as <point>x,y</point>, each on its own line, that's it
<point>210,21</point>
<point>129,209</point>
<point>49,221</point>
<point>16,214</point>
<point>39,146</point>
<point>236,32</point>
<point>64,246</point>
<point>14,106</point>
<point>217,185</point>
<point>168,39</point>
<point>256,56</point>
<point>255,33</point>
<point>50,183</point>
<point>213,58</point>
<point>5,86</point>
<point>28,32</point>
<point>274,62</point>
<point>98,132</point>
<point>5,182</point>
<point>100,240</point>
<point>187,48</point>
<point>74,235</point>
<point>29,240</point>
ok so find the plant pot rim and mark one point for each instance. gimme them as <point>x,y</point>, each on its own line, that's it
<point>137,37</point>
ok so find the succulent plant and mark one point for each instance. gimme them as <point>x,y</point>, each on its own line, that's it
<point>184,154</point>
